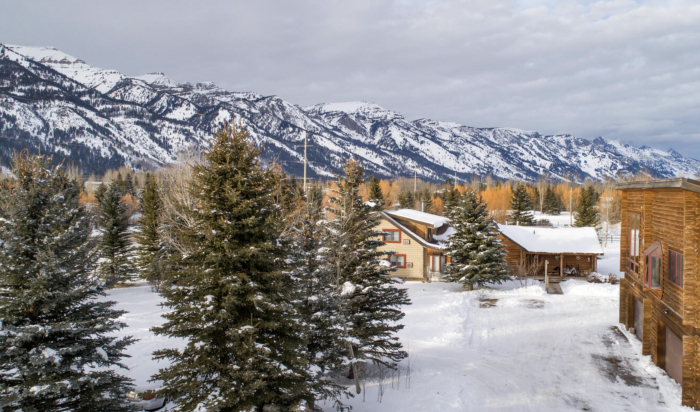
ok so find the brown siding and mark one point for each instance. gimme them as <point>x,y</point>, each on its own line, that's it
<point>691,265</point>
<point>415,227</point>
<point>514,253</point>
<point>672,217</point>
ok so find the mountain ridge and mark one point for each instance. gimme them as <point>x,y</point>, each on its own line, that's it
<point>100,118</point>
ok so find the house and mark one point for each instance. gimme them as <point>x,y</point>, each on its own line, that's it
<point>414,242</point>
<point>568,250</point>
<point>660,294</point>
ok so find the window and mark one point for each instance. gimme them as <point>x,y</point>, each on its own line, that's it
<point>429,234</point>
<point>398,261</point>
<point>675,267</point>
<point>634,220</point>
<point>653,270</point>
<point>391,235</point>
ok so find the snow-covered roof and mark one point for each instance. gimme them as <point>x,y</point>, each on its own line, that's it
<point>427,218</point>
<point>554,240</point>
<point>437,244</point>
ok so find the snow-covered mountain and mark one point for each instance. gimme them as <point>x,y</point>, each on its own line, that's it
<point>99,118</point>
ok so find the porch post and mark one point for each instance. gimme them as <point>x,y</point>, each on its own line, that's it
<point>561,266</point>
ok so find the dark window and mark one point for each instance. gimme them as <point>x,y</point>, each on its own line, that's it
<point>391,236</point>
<point>633,243</point>
<point>430,234</point>
<point>398,261</point>
<point>675,267</point>
<point>654,272</point>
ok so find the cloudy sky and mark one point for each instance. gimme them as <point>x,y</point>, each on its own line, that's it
<point>623,69</point>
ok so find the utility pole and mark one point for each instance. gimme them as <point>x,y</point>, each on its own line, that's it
<point>304,161</point>
<point>571,212</point>
<point>415,177</point>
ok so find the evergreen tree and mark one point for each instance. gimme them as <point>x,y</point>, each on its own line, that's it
<point>56,343</point>
<point>233,304</point>
<point>477,254</point>
<point>100,192</point>
<point>375,194</point>
<point>148,239</point>
<point>552,203</point>
<point>450,196</point>
<point>318,303</point>
<point>586,212</point>
<point>521,207</point>
<point>406,200</point>
<point>370,304</point>
<point>427,201</point>
<point>115,245</point>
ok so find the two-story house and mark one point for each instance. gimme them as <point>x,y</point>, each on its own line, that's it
<point>414,244</point>
<point>660,293</point>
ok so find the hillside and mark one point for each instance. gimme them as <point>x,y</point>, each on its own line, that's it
<point>99,119</point>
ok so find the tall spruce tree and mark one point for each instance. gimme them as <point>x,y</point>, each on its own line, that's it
<point>586,212</point>
<point>552,203</point>
<point>375,194</point>
<point>147,237</point>
<point>477,254</point>
<point>56,340</point>
<point>318,302</point>
<point>370,304</point>
<point>426,199</point>
<point>406,200</point>
<point>521,207</point>
<point>234,305</point>
<point>115,246</point>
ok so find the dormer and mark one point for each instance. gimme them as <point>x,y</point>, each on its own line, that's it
<point>425,225</point>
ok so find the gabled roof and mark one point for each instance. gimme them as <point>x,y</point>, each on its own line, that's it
<point>574,240</point>
<point>423,242</point>
<point>426,218</point>
<point>676,182</point>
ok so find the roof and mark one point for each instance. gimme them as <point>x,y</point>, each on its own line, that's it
<point>575,240</point>
<point>429,219</point>
<point>438,245</point>
<point>676,182</point>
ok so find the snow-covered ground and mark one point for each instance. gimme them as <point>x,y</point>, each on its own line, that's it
<point>556,220</point>
<point>506,348</point>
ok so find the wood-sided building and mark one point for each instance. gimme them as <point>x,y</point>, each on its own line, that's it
<point>413,242</point>
<point>566,249</point>
<point>660,293</point>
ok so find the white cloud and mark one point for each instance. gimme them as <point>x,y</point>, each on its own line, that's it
<point>622,69</point>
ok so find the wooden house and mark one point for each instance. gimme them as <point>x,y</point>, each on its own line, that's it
<point>414,244</point>
<point>660,293</point>
<point>567,250</point>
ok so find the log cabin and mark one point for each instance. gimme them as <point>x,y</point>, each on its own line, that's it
<point>660,293</point>
<point>414,242</point>
<point>569,251</point>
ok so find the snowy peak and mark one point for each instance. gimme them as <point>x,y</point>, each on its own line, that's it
<point>93,77</point>
<point>366,109</point>
<point>44,54</point>
<point>157,79</point>
<point>100,119</point>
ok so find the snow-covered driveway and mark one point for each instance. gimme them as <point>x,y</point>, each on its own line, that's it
<point>519,349</point>
<point>502,349</point>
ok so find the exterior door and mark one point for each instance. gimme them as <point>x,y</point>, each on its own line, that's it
<point>638,318</point>
<point>437,263</point>
<point>674,356</point>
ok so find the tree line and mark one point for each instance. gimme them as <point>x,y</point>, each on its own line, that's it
<point>277,296</point>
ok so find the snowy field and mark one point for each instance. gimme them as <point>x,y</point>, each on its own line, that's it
<point>507,348</point>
